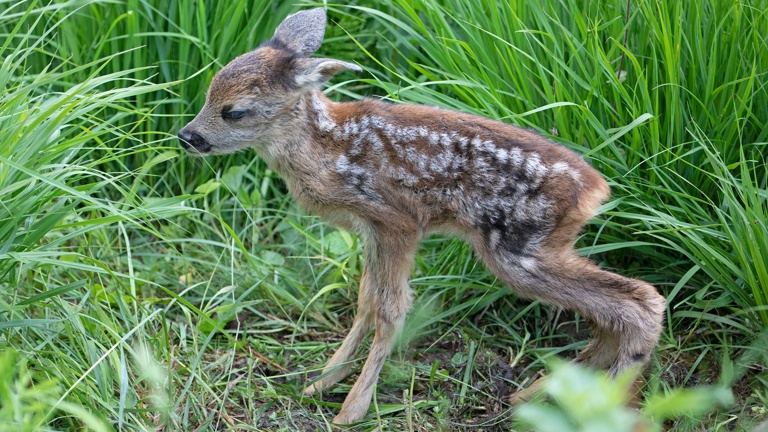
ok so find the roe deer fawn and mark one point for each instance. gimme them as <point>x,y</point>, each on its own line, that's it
<point>394,173</point>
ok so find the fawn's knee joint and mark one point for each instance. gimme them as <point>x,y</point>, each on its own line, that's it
<point>392,313</point>
<point>391,321</point>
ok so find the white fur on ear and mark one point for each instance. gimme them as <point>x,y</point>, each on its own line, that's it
<point>313,72</point>
<point>303,31</point>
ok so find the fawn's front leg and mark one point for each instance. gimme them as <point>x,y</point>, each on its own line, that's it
<point>338,366</point>
<point>389,258</point>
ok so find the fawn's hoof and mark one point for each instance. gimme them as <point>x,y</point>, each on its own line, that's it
<point>346,418</point>
<point>310,390</point>
<point>351,411</point>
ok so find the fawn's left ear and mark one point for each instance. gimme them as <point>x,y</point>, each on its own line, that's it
<point>315,71</point>
<point>303,31</point>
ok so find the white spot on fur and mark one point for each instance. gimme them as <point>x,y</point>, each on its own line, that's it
<point>390,130</point>
<point>407,134</point>
<point>351,128</point>
<point>440,163</point>
<point>516,156</point>
<point>488,146</point>
<point>463,143</point>
<point>407,177</point>
<point>502,155</point>
<point>458,162</point>
<point>357,145</point>
<point>446,139</point>
<point>481,165</point>
<point>528,263</point>
<point>560,168</point>
<point>399,150</point>
<point>361,177</point>
<point>342,164</point>
<point>493,238</point>
<point>534,168</point>
<point>418,159</point>
<point>401,174</point>
<point>521,208</point>
<point>379,122</point>
<point>324,121</point>
<point>378,145</point>
<point>538,207</point>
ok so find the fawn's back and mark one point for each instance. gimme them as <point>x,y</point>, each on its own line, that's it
<point>441,170</point>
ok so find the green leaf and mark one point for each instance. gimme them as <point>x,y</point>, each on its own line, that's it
<point>542,418</point>
<point>338,243</point>
<point>207,187</point>
<point>272,258</point>
<point>693,402</point>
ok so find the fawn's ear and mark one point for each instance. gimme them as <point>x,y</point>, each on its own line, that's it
<point>313,72</point>
<point>303,31</point>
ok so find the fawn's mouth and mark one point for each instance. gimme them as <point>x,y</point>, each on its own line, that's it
<point>199,151</point>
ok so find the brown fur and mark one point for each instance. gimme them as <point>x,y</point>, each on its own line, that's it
<point>395,173</point>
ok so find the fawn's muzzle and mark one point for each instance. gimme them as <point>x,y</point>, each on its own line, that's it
<point>193,140</point>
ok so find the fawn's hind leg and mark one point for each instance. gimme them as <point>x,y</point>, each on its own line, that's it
<point>626,314</point>
<point>338,366</point>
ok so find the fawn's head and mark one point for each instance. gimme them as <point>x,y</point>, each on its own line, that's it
<point>255,98</point>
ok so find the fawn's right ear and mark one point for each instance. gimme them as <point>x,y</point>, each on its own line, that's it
<point>312,73</point>
<point>303,31</point>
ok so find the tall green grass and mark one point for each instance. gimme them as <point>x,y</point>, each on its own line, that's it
<point>61,122</point>
<point>153,290</point>
<point>101,222</point>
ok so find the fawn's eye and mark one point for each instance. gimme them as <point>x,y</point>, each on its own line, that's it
<point>233,115</point>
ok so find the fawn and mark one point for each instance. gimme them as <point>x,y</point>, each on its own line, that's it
<point>394,173</point>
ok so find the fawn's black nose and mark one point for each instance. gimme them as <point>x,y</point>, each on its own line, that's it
<point>190,140</point>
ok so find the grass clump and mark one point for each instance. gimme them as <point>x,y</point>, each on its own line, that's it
<point>27,404</point>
